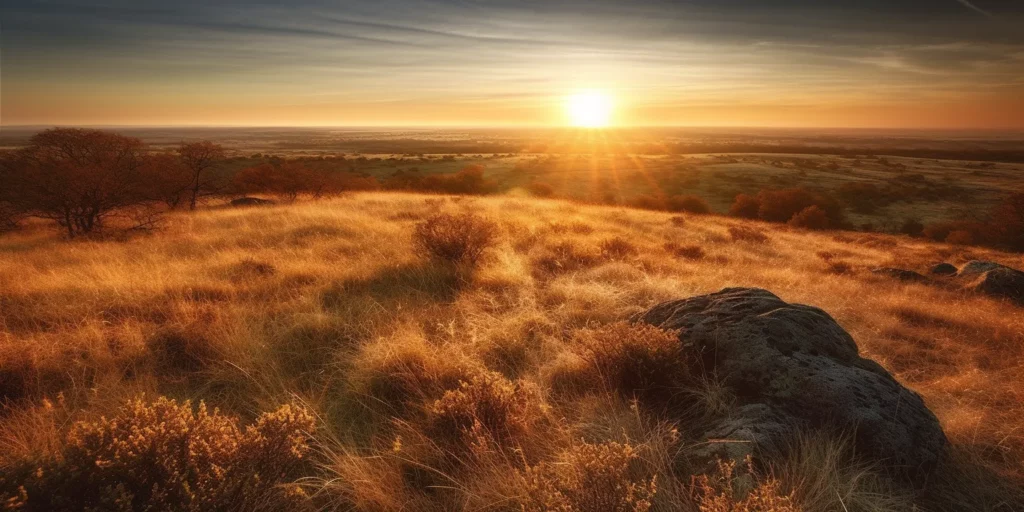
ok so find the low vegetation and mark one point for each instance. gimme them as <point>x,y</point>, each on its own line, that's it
<point>519,385</point>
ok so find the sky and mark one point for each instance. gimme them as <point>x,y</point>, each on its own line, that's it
<point>799,63</point>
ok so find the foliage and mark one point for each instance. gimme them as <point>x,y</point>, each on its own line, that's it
<point>811,217</point>
<point>459,239</point>
<point>167,456</point>
<point>589,477</point>
<point>636,359</point>
<point>76,177</point>
<point>719,492</point>
<point>487,408</point>
<point>745,206</point>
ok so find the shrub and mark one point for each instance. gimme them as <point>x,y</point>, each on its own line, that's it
<point>912,227</point>
<point>1008,222</point>
<point>745,206</point>
<point>811,217</point>
<point>460,239</point>
<point>167,456</point>
<point>689,204</point>
<point>618,248</point>
<point>719,492</point>
<point>636,359</point>
<point>565,256</point>
<point>690,252</point>
<point>540,189</point>
<point>589,477</point>
<point>745,234</point>
<point>960,237</point>
<point>487,408</point>
<point>782,205</point>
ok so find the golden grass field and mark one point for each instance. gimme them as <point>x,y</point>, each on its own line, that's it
<point>327,304</point>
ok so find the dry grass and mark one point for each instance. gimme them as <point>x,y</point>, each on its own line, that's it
<point>330,303</point>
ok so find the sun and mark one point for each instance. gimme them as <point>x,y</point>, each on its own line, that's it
<point>589,109</point>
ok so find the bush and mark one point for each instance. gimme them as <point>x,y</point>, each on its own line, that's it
<point>636,359</point>
<point>618,248</point>
<point>460,239</point>
<point>744,234</point>
<point>782,205</point>
<point>565,256</point>
<point>1008,222</point>
<point>722,492</point>
<point>487,408</point>
<point>689,204</point>
<point>540,189</point>
<point>811,217</point>
<point>960,237</point>
<point>167,456</point>
<point>689,252</point>
<point>912,227</point>
<point>745,206</point>
<point>589,477</point>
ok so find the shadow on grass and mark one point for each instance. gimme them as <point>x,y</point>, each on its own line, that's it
<point>393,289</point>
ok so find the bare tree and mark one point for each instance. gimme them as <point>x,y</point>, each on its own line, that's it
<point>199,159</point>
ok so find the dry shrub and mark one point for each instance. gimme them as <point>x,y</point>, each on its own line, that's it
<point>722,492</point>
<point>459,239</point>
<point>689,252</point>
<point>677,220</point>
<point>250,268</point>
<point>745,234</point>
<point>487,408</point>
<point>689,204</point>
<point>565,256</point>
<point>398,378</point>
<point>617,249</point>
<point>540,189</point>
<point>167,456</point>
<point>811,217</point>
<point>589,477</point>
<point>636,359</point>
<point>745,206</point>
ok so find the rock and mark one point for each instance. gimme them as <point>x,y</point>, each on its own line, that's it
<point>977,267</point>
<point>899,273</point>
<point>1002,283</point>
<point>252,201</point>
<point>792,367</point>
<point>943,269</point>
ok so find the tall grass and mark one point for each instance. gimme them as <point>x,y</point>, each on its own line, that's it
<point>434,392</point>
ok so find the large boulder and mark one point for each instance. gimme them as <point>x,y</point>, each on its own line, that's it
<point>994,280</point>
<point>793,367</point>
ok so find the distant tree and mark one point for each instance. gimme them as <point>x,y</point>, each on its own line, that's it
<point>199,159</point>
<point>1008,222</point>
<point>745,206</point>
<point>912,227</point>
<point>77,177</point>
<point>689,204</point>
<point>171,180</point>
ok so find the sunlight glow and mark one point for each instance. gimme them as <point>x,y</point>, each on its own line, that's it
<point>590,109</point>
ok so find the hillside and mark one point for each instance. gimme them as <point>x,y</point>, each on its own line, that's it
<point>329,306</point>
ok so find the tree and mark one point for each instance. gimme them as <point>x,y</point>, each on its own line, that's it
<point>77,177</point>
<point>199,158</point>
<point>1008,222</point>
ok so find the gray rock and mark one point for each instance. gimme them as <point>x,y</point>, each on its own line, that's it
<point>977,267</point>
<point>899,273</point>
<point>944,269</point>
<point>994,280</point>
<point>791,367</point>
<point>252,201</point>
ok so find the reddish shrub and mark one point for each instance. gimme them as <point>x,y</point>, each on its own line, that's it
<point>745,206</point>
<point>689,204</point>
<point>811,217</point>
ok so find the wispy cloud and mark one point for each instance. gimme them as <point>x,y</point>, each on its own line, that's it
<point>975,8</point>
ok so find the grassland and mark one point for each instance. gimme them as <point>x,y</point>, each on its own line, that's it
<point>327,304</point>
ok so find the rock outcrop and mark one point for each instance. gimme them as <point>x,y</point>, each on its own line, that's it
<point>793,367</point>
<point>994,280</point>
<point>943,269</point>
